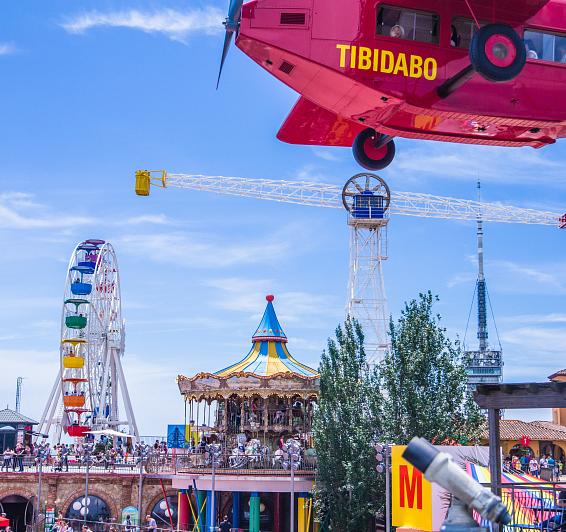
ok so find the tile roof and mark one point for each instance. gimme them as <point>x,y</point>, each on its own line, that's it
<point>514,429</point>
<point>561,373</point>
<point>11,416</point>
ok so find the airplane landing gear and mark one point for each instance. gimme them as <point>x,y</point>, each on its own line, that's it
<point>372,150</point>
<point>498,53</point>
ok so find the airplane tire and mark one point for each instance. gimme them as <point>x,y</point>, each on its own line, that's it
<point>370,157</point>
<point>497,53</point>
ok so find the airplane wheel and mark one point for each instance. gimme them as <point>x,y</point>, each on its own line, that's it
<point>498,53</point>
<point>370,156</point>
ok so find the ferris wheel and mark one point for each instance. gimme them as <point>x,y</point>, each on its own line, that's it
<point>85,396</point>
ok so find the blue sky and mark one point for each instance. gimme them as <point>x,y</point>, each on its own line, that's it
<point>92,91</point>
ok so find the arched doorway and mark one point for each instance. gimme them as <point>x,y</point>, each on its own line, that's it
<point>18,510</point>
<point>93,509</point>
<point>165,512</point>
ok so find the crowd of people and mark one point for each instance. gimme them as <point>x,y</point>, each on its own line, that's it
<point>529,464</point>
<point>101,454</point>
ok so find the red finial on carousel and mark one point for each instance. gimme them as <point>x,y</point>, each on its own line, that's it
<point>269,298</point>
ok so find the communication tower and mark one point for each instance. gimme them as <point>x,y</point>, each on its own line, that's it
<point>19,382</point>
<point>484,366</point>
<point>367,197</point>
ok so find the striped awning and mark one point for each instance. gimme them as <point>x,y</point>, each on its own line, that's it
<point>268,355</point>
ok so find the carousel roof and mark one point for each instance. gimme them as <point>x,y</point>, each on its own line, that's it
<point>269,355</point>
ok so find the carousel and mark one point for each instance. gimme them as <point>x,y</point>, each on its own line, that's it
<point>261,401</point>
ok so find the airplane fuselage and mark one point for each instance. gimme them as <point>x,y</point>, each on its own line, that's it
<point>345,59</point>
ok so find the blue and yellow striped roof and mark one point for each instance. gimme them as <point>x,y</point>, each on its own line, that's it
<point>268,355</point>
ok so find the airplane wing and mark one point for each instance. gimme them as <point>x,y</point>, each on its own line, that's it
<point>522,9</point>
<point>526,7</point>
<point>308,123</point>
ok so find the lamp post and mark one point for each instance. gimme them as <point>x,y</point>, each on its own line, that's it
<point>382,454</point>
<point>293,448</point>
<point>41,456</point>
<point>88,449</point>
<point>214,453</point>
<point>144,453</point>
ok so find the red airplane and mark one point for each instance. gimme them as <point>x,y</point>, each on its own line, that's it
<point>489,72</point>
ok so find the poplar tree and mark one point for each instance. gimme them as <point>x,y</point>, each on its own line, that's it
<point>423,378</point>
<point>349,492</point>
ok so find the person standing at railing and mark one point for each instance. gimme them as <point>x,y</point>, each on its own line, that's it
<point>19,458</point>
<point>7,459</point>
<point>65,457</point>
<point>533,467</point>
<point>151,523</point>
<point>551,463</point>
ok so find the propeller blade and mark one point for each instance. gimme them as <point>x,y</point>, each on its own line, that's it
<point>227,41</point>
<point>235,11</point>
<point>232,23</point>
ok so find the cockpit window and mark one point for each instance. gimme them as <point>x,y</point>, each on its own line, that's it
<point>545,46</point>
<point>407,24</point>
<point>461,32</point>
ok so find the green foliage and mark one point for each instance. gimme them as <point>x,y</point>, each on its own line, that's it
<point>348,490</point>
<point>418,390</point>
<point>424,380</point>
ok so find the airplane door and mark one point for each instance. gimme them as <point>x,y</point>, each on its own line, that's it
<point>337,21</point>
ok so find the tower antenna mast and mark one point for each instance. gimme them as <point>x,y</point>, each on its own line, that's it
<point>19,383</point>
<point>484,366</point>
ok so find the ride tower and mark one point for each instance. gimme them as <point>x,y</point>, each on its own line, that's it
<point>367,197</point>
<point>484,366</point>
<point>90,380</point>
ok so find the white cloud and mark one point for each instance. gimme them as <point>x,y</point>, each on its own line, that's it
<point>500,165</point>
<point>327,154</point>
<point>299,308</point>
<point>202,251</point>
<point>19,211</point>
<point>7,48</point>
<point>511,277</point>
<point>461,278</point>
<point>156,219</point>
<point>176,25</point>
<point>541,342</point>
<point>549,319</point>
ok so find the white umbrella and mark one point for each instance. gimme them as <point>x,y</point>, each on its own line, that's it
<point>110,432</point>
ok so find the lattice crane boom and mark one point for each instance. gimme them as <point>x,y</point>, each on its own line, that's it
<point>330,196</point>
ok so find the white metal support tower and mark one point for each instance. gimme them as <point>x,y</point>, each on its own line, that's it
<point>366,197</point>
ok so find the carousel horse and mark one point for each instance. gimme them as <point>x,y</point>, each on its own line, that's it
<point>281,457</point>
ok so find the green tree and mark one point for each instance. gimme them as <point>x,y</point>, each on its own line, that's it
<point>349,492</point>
<point>424,380</point>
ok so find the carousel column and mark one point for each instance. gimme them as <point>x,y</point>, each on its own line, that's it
<point>201,501</point>
<point>303,512</point>
<point>290,413</point>
<point>265,415</point>
<point>277,512</point>
<point>242,414</point>
<point>210,508</point>
<point>183,512</point>
<point>225,421</point>
<point>254,512</point>
<point>236,509</point>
